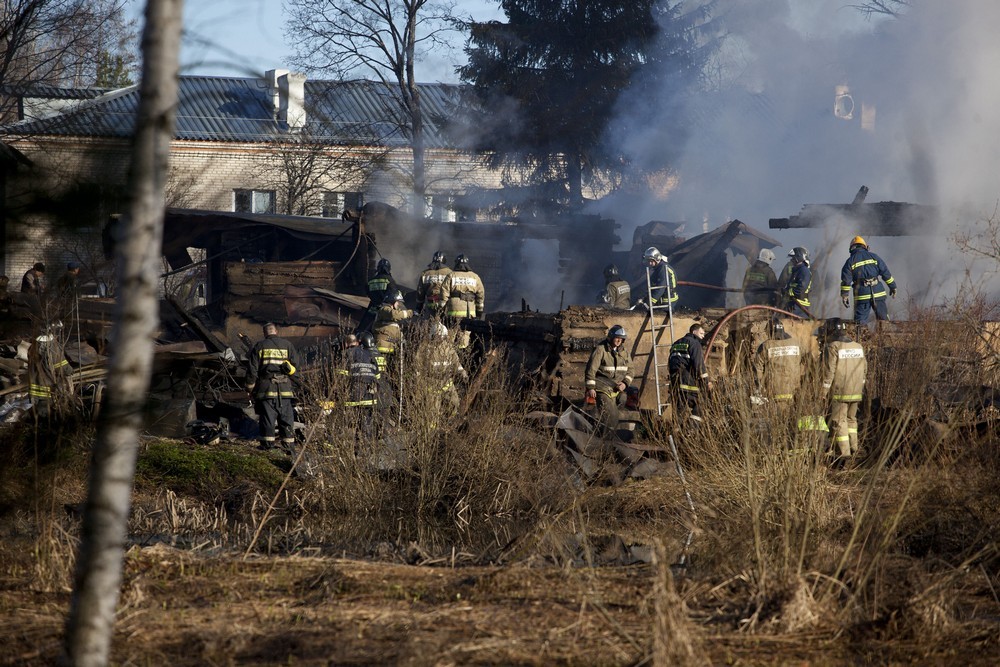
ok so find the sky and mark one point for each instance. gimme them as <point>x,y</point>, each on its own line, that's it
<point>246,37</point>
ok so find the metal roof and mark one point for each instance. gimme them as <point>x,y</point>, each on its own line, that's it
<point>238,109</point>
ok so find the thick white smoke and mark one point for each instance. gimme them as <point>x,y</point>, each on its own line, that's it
<point>764,140</point>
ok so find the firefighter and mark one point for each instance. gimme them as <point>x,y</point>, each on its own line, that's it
<point>272,363</point>
<point>67,290</point>
<point>688,373</point>
<point>862,271</point>
<point>384,391</point>
<point>759,282</point>
<point>607,377</point>
<point>388,334</point>
<point>799,284</point>
<point>617,294</point>
<point>430,285</point>
<point>437,368</point>
<point>362,372</point>
<point>778,365</point>
<point>844,369</point>
<point>464,296</point>
<point>660,275</point>
<point>49,384</point>
<point>785,277</point>
<point>378,286</point>
<point>33,281</point>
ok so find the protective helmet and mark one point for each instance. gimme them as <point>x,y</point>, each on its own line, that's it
<point>652,253</point>
<point>461,263</point>
<point>439,257</point>
<point>858,241</point>
<point>777,327</point>
<point>610,271</point>
<point>439,330</point>
<point>367,340</point>
<point>383,266</point>
<point>617,331</point>
<point>393,296</point>
<point>44,338</point>
<point>836,324</point>
<point>765,255</point>
<point>800,254</point>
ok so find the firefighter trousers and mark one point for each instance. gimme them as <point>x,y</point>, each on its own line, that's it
<point>275,415</point>
<point>844,427</point>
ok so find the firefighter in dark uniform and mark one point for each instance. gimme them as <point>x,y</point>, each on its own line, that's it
<point>379,285</point>
<point>431,284</point>
<point>607,377</point>
<point>862,272</point>
<point>660,276</point>
<point>383,388</point>
<point>785,277</point>
<point>800,284</point>
<point>844,370</point>
<point>759,282</point>
<point>617,294</point>
<point>49,385</point>
<point>273,362</point>
<point>688,373</point>
<point>362,373</point>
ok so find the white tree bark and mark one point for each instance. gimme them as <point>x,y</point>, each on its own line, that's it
<point>105,519</point>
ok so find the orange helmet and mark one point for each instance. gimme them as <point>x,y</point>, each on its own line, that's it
<point>857,240</point>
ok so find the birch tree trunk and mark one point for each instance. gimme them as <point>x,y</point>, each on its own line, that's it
<point>105,519</point>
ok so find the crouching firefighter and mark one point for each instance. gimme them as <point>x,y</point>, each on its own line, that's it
<point>273,362</point>
<point>607,377</point>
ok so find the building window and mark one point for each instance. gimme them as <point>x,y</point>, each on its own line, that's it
<point>335,203</point>
<point>253,201</point>
<point>440,207</point>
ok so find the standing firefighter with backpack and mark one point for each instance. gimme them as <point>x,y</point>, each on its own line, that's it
<point>608,376</point>
<point>379,285</point>
<point>361,369</point>
<point>273,362</point>
<point>844,370</point>
<point>862,271</point>
<point>464,296</point>
<point>429,288</point>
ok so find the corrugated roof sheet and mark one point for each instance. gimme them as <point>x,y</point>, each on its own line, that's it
<point>238,109</point>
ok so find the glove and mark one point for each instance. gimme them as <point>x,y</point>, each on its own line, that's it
<point>847,301</point>
<point>892,292</point>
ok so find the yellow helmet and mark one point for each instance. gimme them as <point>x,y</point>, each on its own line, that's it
<point>857,240</point>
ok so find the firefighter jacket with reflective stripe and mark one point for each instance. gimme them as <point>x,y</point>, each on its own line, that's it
<point>862,271</point>
<point>759,283</point>
<point>607,367</point>
<point>800,284</point>
<point>463,294</point>
<point>437,365</point>
<point>779,368</point>
<point>386,328</point>
<point>430,287</point>
<point>378,285</point>
<point>48,370</point>
<point>844,368</point>
<point>618,294</point>
<point>362,371</point>
<point>785,277</point>
<point>658,276</point>
<point>686,363</point>
<point>273,361</point>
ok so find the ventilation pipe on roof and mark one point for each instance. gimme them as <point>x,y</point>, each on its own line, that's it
<point>287,93</point>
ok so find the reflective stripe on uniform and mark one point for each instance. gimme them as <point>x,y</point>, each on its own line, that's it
<point>847,398</point>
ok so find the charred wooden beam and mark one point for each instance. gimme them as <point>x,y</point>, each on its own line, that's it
<point>887,218</point>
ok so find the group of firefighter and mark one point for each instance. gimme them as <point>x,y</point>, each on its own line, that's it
<point>779,362</point>
<point>372,359</point>
<point>864,273</point>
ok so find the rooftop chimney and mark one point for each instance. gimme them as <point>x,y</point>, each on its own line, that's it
<point>287,92</point>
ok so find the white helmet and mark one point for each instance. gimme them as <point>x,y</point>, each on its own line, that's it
<point>765,255</point>
<point>439,330</point>
<point>652,252</point>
